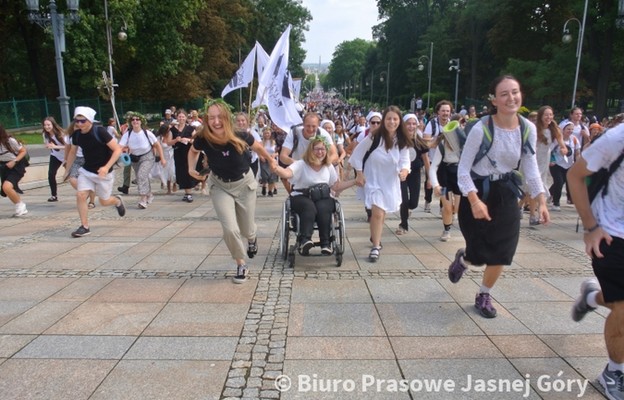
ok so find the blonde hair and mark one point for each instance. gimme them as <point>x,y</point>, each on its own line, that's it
<point>309,156</point>
<point>226,119</point>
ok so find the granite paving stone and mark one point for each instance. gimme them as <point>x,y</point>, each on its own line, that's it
<point>76,347</point>
<point>460,378</point>
<point>182,348</point>
<point>334,320</point>
<point>96,318</point>
<point>163,379</point>
<point>426,319</point>
<point>11,344</point>
<point>39,318</point>
<point>198,319</point>
<point>52,379</point>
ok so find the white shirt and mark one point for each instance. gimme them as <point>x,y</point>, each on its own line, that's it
<point>382,187</point>
<point>506,148</point>
<point>608,210</point>
<point>138,142</point>
<point>305,176</point>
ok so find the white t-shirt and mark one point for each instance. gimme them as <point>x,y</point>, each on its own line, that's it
<point>573,144</point>
<point>5,154</point>
<point>138,143</point>
<point>305,176</point>
<point>608,210</point>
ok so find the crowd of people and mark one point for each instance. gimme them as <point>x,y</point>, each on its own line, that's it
<point>486,169</point>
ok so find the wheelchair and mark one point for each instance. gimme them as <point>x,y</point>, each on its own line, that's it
<point>290,225</point>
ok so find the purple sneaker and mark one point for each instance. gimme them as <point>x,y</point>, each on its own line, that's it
<point>483,303</point>
<point>457,267</point>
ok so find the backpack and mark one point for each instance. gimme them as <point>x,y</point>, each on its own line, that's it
<point>376,141</point>
<point>488,137</point>
<point>598,182</point>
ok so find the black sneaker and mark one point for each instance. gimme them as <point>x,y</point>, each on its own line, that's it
<point>304,250</point>
<point>252,248</point>
<point>81,231</point>
<point>264,191</point>
<point>123,189</point>
<point>121,208</point>
<point>241,274</point>
<point>326,249</point>
<point>274,191</point>
<point>580,307</point>
<point>53,198</point>
<point>189,198</point>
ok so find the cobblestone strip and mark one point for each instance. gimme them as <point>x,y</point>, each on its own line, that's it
<point>260,353</point>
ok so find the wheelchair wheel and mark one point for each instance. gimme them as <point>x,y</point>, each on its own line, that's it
<point>339,232</point>
<point>285,233</point>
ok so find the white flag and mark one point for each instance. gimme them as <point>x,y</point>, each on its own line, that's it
<point>244,75</point>
<point>273,87</point>
<point>262,59</point>
<point>296,87</point>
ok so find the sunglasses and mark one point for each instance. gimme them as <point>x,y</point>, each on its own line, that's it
<point>375,122</point>
<point>80,121</point>
<point>135,119</point>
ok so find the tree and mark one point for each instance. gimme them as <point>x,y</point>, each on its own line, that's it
<point>348,62</point>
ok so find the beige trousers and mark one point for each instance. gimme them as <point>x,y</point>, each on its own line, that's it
<point>235,206</point>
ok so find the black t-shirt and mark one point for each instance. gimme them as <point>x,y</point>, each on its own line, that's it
<point>187,132</point>
<point>223,160</point>
<point>95,149</point>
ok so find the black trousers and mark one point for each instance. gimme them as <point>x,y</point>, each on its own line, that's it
<point>410,192</point>
<point>53,168</point>
<point>558,174</point>
<point>309,212</point>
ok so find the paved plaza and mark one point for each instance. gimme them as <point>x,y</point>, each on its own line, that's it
<point>144,308</point>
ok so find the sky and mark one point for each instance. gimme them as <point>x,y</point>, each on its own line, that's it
<point>334,22</point>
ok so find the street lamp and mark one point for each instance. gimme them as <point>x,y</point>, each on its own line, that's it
<point>109,82</point>
<point>57,21</point>
<point>454,65</point>
<point>567,38</point>
<point>385,75</point>
<point>422,67</point>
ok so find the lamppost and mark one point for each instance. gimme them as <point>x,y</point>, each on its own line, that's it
<point>421,67</point>
<point>454,65</point>
<point>109,81</point>
<point>57,21</point>
<point>567,38</point>
<point>385,75</point>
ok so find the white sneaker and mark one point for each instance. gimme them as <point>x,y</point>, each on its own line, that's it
<point>142,205</point>
<point>20,209</point>
<point>427,207</point>
<point>150,198</point>
<point>446,235</point>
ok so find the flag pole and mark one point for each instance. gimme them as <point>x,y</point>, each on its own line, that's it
<point>249,104</point>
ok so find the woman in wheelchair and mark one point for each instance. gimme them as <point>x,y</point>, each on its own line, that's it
<point>312,179</point>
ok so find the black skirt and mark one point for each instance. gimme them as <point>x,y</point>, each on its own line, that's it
<point>491,242</point>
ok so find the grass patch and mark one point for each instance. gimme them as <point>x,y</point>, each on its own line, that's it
<point>29,138</point>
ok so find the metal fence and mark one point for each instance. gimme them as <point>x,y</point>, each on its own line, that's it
<point>17,114</point>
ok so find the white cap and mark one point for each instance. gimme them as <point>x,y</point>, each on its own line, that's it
<point>373,114</point>
<point>410,115</point>
<point>327,121</point>
<point>87,112</point>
